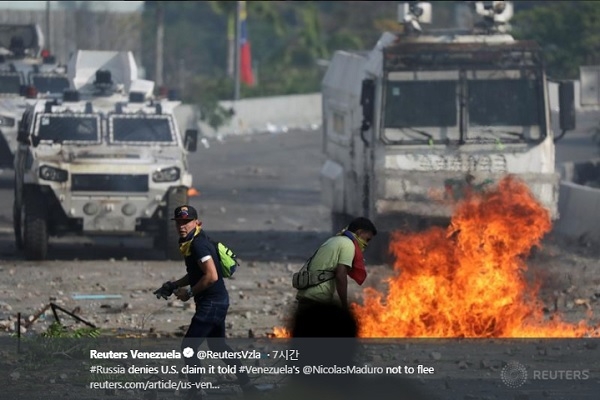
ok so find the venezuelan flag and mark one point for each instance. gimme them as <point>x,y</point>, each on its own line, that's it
<point>247,76</point>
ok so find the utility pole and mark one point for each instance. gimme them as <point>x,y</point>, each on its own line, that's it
<point>236,59</point>
<point>230,44</point>
<point>160,33</point>
<point>48,31</point>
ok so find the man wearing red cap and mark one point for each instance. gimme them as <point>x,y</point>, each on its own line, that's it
<point>337,259</point>
<point>203,283</point>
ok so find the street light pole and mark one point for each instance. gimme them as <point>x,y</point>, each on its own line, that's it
<point>160,32</point>
<point>48,31</point>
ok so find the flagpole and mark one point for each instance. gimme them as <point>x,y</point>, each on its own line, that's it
<point>236,58</point>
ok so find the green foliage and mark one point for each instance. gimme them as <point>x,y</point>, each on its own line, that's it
<point>567,31</point>
<point>56,330</point>
<point>288,41</point>
<point>206,92</point>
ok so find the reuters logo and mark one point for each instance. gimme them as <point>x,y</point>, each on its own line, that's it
<point>514,374</point>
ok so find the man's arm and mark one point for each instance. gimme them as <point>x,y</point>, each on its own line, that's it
<point>182,282</point>
<point>341,283</point>
<point>168,288</point>
<point>210,276</point>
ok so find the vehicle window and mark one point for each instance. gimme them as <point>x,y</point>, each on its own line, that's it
<point>140,129</point>
<point>420,104</point>
<point>50,84</point>
<point>62,128</point>
<point>514,102</point>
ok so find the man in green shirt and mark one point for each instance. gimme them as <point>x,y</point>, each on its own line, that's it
<point>337,259</point>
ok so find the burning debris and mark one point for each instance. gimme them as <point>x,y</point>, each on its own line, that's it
<point>468,280</point>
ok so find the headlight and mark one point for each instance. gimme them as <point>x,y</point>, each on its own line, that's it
<point>166,175</point>
<point>7,121</point>
<point>53,174</point>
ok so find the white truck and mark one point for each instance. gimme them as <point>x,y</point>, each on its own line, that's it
<point>425,115</point>
<point>107,158</point>
<point>27,71</point>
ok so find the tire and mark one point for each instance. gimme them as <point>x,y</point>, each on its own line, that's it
<point>18,224</point>
<point>35,230</point>
<point>175,198</point>
<point>18,219</point>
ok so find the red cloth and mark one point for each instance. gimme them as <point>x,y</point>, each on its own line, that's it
<point>247,76</point>
<point>358,271</point>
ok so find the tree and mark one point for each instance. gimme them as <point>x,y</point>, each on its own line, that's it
<point>289,41</point>
<point>566,30</point>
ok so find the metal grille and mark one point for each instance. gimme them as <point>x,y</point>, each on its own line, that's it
<point>109,183</point>
<point>414,56</point>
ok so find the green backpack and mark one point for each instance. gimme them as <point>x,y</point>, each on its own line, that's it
<point>227,259</point>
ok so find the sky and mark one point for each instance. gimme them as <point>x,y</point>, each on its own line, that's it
<point>122,6</point>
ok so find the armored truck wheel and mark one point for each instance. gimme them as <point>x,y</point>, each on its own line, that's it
<point>18,204</point>
<point>175,198</point>
<point>18,224</point>
<point>18,217</point>
<point>35,229</point>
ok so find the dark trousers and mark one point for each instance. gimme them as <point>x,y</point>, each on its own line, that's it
<point>209,323</point>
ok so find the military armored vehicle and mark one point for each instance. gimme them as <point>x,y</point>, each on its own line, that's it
<point>27,71</point>
<point>411,124</point>
<point>105,159</point>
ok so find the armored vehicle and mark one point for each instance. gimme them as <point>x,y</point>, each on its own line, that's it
<point>27,71</point>
<point>413,123</point>
<point>105,159</point>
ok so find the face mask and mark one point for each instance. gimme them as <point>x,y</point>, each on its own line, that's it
<point>185,247</point>
<point>362,243</point>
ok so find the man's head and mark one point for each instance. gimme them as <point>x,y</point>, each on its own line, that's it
<point>186,219</point>
<point>363,228</point>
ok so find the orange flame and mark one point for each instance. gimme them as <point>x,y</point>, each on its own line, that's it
<point>280,332</point>
<point>468,280</point>
<point>193,192</point>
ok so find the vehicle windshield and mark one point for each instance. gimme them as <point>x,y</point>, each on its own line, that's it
<point>496,108</point>
<point>50,84</point>
<point>145,129</point>
<point>514,103</point>
<point>62,128</point>
<point>418,104</point>
<point>10,84</point>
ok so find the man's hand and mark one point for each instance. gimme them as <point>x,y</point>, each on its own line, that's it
<point>166,290</point>
<point>341,283</point>
<point>182,294</point>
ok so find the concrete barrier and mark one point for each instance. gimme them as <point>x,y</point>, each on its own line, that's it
<point>265,114</point>
<point>553,98</point>
<point>579,201</point>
